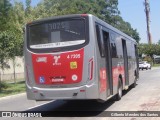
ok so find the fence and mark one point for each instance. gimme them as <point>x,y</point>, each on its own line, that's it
<point>6,77</point>
<point>8,73</point>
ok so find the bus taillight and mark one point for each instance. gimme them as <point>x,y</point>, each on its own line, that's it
<point>83,15</point>
<point>90,69</point>
<point>82,90</point>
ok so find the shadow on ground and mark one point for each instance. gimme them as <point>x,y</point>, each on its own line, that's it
<point>75,108</point>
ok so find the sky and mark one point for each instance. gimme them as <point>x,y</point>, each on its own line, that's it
<point>33,2</point>
<point>132,11</point>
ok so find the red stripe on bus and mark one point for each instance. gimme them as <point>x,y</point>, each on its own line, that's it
<point>103,79</point>
<point>116,71</point>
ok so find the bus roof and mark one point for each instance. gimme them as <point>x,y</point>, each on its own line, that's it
<point>82,15</point>
<point>57,17</point>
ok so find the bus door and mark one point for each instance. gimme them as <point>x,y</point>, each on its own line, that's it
<point>125,57</point>
<point>108,58</point>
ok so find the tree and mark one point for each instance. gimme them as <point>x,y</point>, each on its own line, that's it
<point>17,22</point>
<point>106,10</point>
<point>13,17</point>
<point>28,7</point>
<point>149,49</point>
<point>100,8</point>
<point>5,7</point>
<point>10,32</point>
<point>126,27</point>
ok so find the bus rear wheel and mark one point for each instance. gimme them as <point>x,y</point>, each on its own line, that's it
<point>120,88</point>
<point>135,82</point>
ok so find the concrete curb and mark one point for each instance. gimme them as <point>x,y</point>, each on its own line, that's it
<point>12,96</point>
<point>154,68</point>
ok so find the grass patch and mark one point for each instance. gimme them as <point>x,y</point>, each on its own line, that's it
<point>12,88</point>
<point>156,65</point>
<point>12,81</point>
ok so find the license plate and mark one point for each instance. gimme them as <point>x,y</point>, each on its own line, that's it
<point>57,80</point>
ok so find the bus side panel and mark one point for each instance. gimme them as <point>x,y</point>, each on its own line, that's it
<point>116,53</point>
<point>29,76</point>
<point>128,46</point>
<point>120,62</point>
<point>134,62</point>
<point>90,56</point>
<point>101,70</point>
<point>131,61</point>
<point>104,90</point>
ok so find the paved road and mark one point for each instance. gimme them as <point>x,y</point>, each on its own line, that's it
<point>145,97</point>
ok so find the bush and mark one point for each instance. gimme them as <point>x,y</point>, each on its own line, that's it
<point>148,58</point>
<point>3,85</point>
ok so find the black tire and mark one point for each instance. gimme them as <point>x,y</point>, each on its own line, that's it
<point>120,89</point>
<point>146,68</point>
<point>135,83</point>
<point>142,68</point>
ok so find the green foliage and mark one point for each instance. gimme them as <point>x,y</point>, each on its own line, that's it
<point>149,49</point>
<point>156,65</point>
<point>125,27</point>
<point>28,7</point>
<point>3,85</point>
<point>5,7</point>
<point>6,46</point>
<point>50,8</point>
<point>12,88</point>
<point>10,31</point>
<point>13,17</point>
<point>105,10</point>
<point>148,58</point>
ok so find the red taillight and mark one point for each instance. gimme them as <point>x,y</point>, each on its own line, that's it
<point>90,66</point>
<point>84,15</point>
<point>35,91</point>
<point>82,90</point>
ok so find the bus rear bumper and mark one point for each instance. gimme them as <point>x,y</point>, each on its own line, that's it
<point>81,92</point>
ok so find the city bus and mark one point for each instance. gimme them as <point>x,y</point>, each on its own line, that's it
<point>78,57</point>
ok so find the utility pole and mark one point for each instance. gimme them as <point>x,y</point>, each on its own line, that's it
<point>147,11</point>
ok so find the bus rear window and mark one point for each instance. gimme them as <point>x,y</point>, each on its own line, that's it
<point>57,34</point>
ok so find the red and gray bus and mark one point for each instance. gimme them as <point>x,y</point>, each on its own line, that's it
<point>78,57</point>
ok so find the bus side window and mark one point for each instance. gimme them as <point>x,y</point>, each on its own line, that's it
<point>114,50</point>
<point>100,41</point>
<point>113,45</point>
